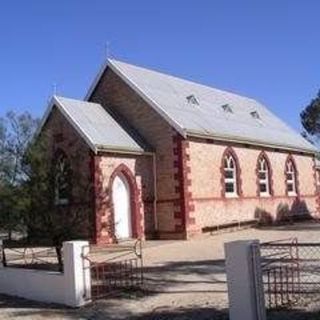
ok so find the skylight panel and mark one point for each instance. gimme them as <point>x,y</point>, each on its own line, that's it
<point>255,115</point>
<point>227,108</point>
<point>192,99</point>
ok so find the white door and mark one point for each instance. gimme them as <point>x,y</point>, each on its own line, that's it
<point>121,207</point>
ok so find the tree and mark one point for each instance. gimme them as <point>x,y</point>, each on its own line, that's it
<point>310,118</point>
<point>58,195</point>
<point>16,132</point>
<point>43,192</point>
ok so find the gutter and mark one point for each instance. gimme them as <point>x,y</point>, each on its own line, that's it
<point>115,149</point>
<point>250,142</point>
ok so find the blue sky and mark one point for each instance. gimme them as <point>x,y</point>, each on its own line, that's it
<point>268,50</point>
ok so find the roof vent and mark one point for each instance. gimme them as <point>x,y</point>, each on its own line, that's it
<point>227,108</point>
<point>192,99</point>
<point>255,115</point>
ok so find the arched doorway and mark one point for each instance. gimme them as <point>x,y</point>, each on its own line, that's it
<point>121,199</point>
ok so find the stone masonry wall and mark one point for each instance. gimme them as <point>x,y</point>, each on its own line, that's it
<point>134,113</point>
<point>211,208</point>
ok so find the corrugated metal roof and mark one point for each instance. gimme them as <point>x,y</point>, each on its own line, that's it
<point>249,121</point>
<point>96,126</point>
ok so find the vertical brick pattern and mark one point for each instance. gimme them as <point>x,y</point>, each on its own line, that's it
<point>316,175</point>
<point>184,208</point>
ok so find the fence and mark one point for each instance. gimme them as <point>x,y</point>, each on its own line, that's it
<point>31,257</point>
<point>115,268</point>
<point>291,273</point>
<point>70,287</point>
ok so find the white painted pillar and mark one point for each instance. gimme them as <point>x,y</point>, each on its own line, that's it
<point>244,278</point>
<point>76,273</point>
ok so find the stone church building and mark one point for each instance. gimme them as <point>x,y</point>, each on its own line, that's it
<point>169,158</point>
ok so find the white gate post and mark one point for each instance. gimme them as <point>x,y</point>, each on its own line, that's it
<point>76,273</point>
<point>244,278</point>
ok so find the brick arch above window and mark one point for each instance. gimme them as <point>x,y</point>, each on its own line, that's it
<point>263,156</point>
<point>291,164</point>
<point>229,152</point>
<point>134,199</point>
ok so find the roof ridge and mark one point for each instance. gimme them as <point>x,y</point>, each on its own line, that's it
<point>166,94</point>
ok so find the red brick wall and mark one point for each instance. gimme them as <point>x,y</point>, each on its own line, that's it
<point>133,111</point>
<point>212,208</point>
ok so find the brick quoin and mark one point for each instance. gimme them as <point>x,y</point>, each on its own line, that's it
<point>184,207</point>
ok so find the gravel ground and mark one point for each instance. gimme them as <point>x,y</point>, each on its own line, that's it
<point>184,280</point>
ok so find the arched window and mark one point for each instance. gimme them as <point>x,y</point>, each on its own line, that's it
<point>230,175</point>
<point>291,178</point>
<point>62,185</point>
<point>264,177</point>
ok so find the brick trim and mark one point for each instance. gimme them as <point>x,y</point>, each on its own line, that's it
<point>263,155</point>
<point>230,151</point>
<point>296,175</point>
<point>136,217</point>
<point>317,191</point>
<point>98,198</point>
<point>183,204</point>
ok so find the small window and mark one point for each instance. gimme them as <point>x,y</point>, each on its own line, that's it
<point>263,176</point>
<point>192,99</point>
<point>230,176</point>
<point>227,108</point>
<point>255,115</point>
<point>291,178</point>
<point>62,179</point>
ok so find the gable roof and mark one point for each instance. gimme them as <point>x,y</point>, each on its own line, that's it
<point>245,120</point>
<point>100,131</point>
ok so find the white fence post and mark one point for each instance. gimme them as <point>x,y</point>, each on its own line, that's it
<point>244,278</point>
<point>76,273</point>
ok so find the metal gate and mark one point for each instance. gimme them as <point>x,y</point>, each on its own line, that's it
<point>291,273</point>
<point>115,268</point>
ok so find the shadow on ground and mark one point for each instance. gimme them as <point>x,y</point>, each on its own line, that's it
<point>205,313</point>
<point>183,278</point>
<point>294,314</point>
<point>186,276</point>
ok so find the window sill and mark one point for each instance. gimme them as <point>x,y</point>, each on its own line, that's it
<point>265,195</point>
<point>231,195</point>
<point>292,194</point>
